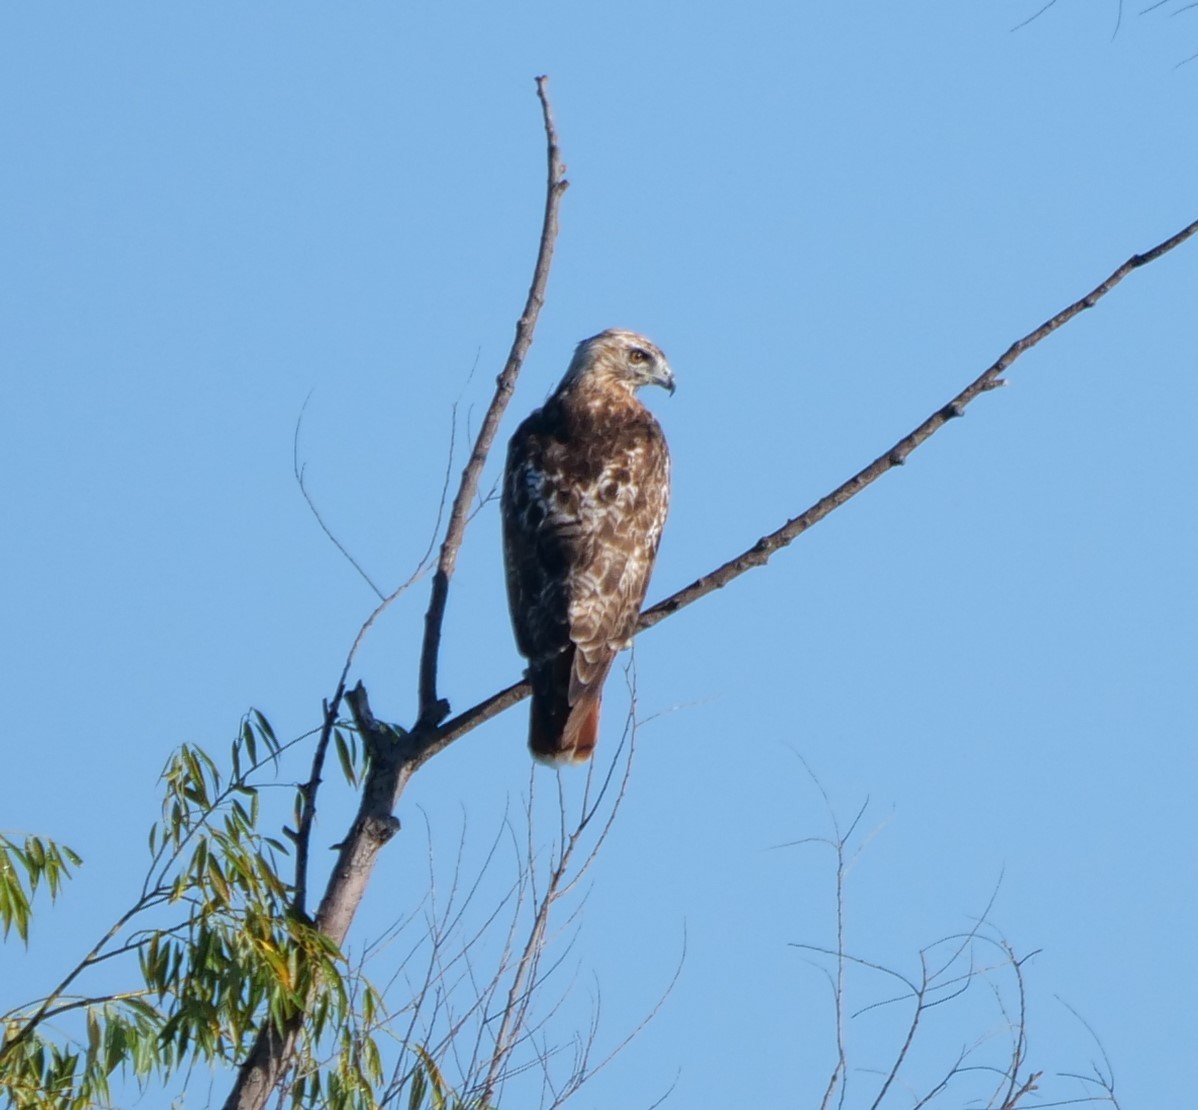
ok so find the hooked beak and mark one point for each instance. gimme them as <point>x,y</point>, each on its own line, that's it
<point>665,379</point>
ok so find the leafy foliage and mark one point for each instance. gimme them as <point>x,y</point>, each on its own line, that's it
<point>22,870</point>
<point>217,947</point>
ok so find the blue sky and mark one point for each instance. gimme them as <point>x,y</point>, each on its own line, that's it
<point>831,219</point>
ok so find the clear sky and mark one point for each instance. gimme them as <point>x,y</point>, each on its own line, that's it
<point>831,218</point>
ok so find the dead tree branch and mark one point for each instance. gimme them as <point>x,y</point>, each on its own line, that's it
<point>759,554</point>
<point>948,969</point>
<point>432,709</point>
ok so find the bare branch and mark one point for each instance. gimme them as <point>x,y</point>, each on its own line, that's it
<point>307,793</point>
<point>760,552</point>
<point>948,968</point>
<point>1029,1085</point>
<point>526,967</point>
<point>1105,1082</point>
<point>432,710</point>
<point>1034,16</point>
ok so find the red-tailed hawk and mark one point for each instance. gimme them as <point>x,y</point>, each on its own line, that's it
<point>585,495</point>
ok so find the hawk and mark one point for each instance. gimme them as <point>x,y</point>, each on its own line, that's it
<point>585,494</point>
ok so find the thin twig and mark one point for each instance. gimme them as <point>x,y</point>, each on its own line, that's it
<point>560,882</point>
<point>1019,1047</point>
<point>299,471</point>
<point>1106,1082</point>
<point>1034,16</point>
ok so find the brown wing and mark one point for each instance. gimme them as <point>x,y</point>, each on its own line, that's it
<point>622,512</point>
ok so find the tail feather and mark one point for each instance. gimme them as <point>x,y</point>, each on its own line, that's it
<point>558,731</point>
<point>581,733</point>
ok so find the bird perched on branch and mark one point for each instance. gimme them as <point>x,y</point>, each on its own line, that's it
<point>585,495</point>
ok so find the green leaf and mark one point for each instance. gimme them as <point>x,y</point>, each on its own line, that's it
<point>267,733</point>
<point>250,742</point>
<point>344,757</point>
<point>41,861</point>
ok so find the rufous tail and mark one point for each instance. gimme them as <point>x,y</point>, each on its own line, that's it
<point>558,732</point>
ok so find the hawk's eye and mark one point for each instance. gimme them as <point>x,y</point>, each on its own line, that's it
<point>636,356</point>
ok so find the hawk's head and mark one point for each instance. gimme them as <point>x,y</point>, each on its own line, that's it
<point>620,358</point>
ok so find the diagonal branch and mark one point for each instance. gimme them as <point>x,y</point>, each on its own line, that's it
<point>433,710</point>
<point>759,554</point>
<point>300,471</point>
